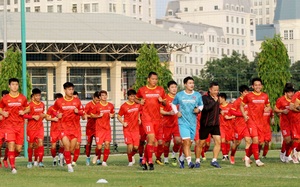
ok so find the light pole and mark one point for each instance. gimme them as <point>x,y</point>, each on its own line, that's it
<point>4,28</point>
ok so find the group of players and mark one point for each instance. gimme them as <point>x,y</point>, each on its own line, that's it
<point>150,115</point>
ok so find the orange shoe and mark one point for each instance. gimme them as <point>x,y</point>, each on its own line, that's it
<point>231,160</point>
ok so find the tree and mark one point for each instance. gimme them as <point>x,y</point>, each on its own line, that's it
<point>148,61</point>
<point>295,72</point>
<point>11,67</point>
<point>273,67</point>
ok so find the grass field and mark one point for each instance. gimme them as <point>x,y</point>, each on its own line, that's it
<point>274,173</point>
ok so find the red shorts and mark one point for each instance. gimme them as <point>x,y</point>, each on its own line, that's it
<point>154,127</point>
<point>226,132</point>
<point>69,134</point>
<point>240,129</point>
<point>103,136</point>
<point>33,135</point>
<point>79,135</point>
<point>7,135</point>
<point>256,131</point>
<point>286,130</point>
<point>90,133</point>
<point>54,136</point>
<point>170,132</point>
<point>143,135</point>
<point>132,138</point>
<point>267,134</point>
<point>19,133</point>
<point>296,131</point>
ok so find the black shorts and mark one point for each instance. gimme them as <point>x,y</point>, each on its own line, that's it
<point>206,130</point>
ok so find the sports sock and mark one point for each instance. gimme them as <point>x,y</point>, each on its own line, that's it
<point>176,147</point>
<point>166,151</point>
<point>227,148</point>
<point>76,155</point>
<point>182,157</point>
<point>233,151</point>
<point>41,153</point>
<point>106,154</point>
<point>255,151</point>
<point>141,149</point>
<point>150,149</point>
<point>98,153</point>
<point>129,156</point>
<point>197,160</point>
<point>283,147</point>
<point>36,154</point>
<point>30,153</point>
<point>61,150</point>
<point>53,152</point>
<point>88,150</point>
<point>249,151</point>
<point>11,158</point>
<point>223,148</point>
<point>259,148</point>
<point>159,151</point>
<point>67,155</point>
<point>266,149</point>
<point>17,153</point>
<point>188,159</point>
<point>289,149</point>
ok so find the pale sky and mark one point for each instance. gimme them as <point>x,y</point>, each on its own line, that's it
<point>161,6</point>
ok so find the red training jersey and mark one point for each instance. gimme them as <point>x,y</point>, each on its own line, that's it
<point>103,123</point>
<point>295,119</point>
<point>169,120</point>
<point>36,109</point>
<point>55,125</point>
<point>225,110</point>
<point>151,107</point>
<point>283,103</point>
<point>130,111</point>
<point>90,108</point>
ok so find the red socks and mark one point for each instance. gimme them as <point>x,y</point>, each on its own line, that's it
<point>30,153</point>
<point>98,153</point>
<point>61,150</point>
<point>53,152</point>
<point>283,147</point>
<point>223,148</point>
<point>176,147</point>
<point>5,154</point>
<point>76,155</point>
<point>266,149</point>
<point>249,151</point>
<point>11,158</point>
<point>67,155</point>
<point>88,150</point>
<point>159,151</point>
<point>167,150</point>
<point>106,154</point>
<point>233,151</point>
<point>255,151</point>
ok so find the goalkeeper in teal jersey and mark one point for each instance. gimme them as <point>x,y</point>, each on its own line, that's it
<point>190,104</point>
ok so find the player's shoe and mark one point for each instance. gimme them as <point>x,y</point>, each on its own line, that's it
<point>41,165</point>
<point>197,165</point>
<point>259,163</point>
<point>191,165</point>
<point>104,164</point>
<point>133,160</point>
<point>144,166</point>
<point>232,161</point>
<point>130,164</point>
<point>95,158</point>
<point>174,161</point>
<point>264,157</point>
<point>98,162</point>
<point>159,162</point>
<point>286,159</point>
<point>74,164</point>
<point>13,171</point>
<point>204,159</point>
<point>141,160</point>
<point>61,159</point>
<point>70,168</point>
<point>54,162</point>
<point>151,166</point>
<point>181,163</point>
<point>35,163</point>
<point>225,158</point>
<point>5,163</point>
<point>29,165</point>
<point>247,162</point>
<point>281,156</point>
<point>215,164</point>
<point>87,161</point>
<point>295,159</point>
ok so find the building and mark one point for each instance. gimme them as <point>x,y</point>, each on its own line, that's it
<point>264,11</point>
<point>80,49</point>
<point>143,10</point>
<point>233,16</point>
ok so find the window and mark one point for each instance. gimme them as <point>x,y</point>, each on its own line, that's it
<point>27,9</point>
<point>267,11</point>
<point>16,10</point>
<point>201,60</point>
<point>16,1</point>
<point>87,7</point>
<point>149,12</point>
<point>237,41</point>
<point>140,9</point>
<point>232,41</point>
<point>227,7</point>
<point>291,48</point>
<point>242,20</point>
<point>255,3</point>
<point>260,11</point>
<point>285,35</point>
<point>260,2</point>
<point>114,8</point>
<point>59,8</point>
<point>191,60</point>
<point>232,30</point>
<point>292,59</point>
<point>95,7</point>
<point>251,33</point>
<point>260,21</point>
<point>291,34</point>
<point>227,40</point>
<point>216,7</point>
<point>134,9</point>
<point>74,8</point>
<point>37,9</point>
<point>228,52</point>
<point>242,9</point>
<point>27,1</point>
<point>237,31</point>
<point>243,42</point>
<point>201,8</point>
<point>186,9</point>
<point>232,19</point>
<point>124,8</point>
<point>251,21</point>
<point>36,1</point>
<point>196,60</point>
<point>255,11</point>
<point>237,19</point>
<point>227,18</point>
<point>50,8</point>
<point>267,2</point>
<point>267,20</point>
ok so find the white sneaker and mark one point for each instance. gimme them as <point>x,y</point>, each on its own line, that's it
<point>295,160</point>
<point>36,163</point>
<point>298,155</point>
<point>259,163</point>
<point>74,164</point>
<point>290,158</point>
<point>13,171</point>
<point>130,164</point>
<point>104,164</point>
<point>281,156</point>
<point>95,159</point>
<point>133,160</point>
<point>286,159</point>
<point>70,168</point>
<point>247,162</point>
<point>29,165</point>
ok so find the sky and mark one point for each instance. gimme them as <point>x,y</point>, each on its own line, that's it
<point>161,6</point>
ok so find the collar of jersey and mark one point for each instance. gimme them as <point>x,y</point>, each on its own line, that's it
<point>68,99</point>
<point>170,95</point>
<point>36,103</point>
<point>14,96</point>
<point>151,88</point>
<point>130,103</point>
<point>256,93</point>
<point>103,104</point>
<point>289,100</point>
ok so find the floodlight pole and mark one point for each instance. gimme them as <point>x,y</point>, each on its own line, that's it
<point>4,28</point>
<point>24,80</point>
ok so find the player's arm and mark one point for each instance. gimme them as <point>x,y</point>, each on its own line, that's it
<point>208,105</point>
<point>243,111</point>
<point>165,113</point>
<point>199,106</point>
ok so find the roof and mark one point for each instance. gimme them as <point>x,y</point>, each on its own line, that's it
<point>287,9</point>
<point>87,28</point>
<point>264,31</point>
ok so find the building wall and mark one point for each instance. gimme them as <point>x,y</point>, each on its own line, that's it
<point>264,11</point>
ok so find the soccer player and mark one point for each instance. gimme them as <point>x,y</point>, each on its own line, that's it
<point>55,132</point>
<point>258,103</point>
<point>104,111</point>
<point>240,126</point>
<point>210,122</point>
<point>282,108</point>
<point>35,127</point>
<point>90,108</point>
<point>190,104</point>
<point>268,119</point>
<point>151,97</point>
<point>226,125</point>
<point>68,108</point>
<point>12,107</point>
<point>170,125</point>
<point>4,92</point>
<point>129,117</point>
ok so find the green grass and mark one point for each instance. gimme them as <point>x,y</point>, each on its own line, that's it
<point>274,173</point>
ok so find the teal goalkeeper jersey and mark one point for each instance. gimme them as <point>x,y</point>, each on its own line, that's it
<point>187,103</point>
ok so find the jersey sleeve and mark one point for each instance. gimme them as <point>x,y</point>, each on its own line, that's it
<point>2,104</point>
<point>267,101</point>
<point>199,100</point>
<point>121,111</point>
<point>112,110</point>
<point>176,100</point>
<point>139,93</point>
<point>56,105</point>
<point>278,103</point>
<point>245,100</point>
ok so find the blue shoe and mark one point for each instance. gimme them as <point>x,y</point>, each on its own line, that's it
<point>197,165</point>
<point>181,163</point>
<point>88,161</point>
<point>191,165</point>
<point>41,165</point>
<point>215,164</point>
<point>98,162</point>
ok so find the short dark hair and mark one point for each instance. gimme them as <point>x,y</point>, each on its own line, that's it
<point>75,93</point>
<point>68,85</point>
<point>13,80</point>
<point>4,92</point>
<point>223,95</point>
<point>152,73</point>
<point>213,84</point>
<point>102,92</point>
<point>96,94</point>
<point>131,92</point>
<point>171,83</point>
<point>58,95</point>
<point>256,79</point>
<point>185,80</point>
<point>243,88</point>
<point>36,91</point>
<point>289,87</point>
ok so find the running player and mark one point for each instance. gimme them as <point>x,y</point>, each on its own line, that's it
<point>190,104</point>
<point>257,102</point>
<point>4,92</point>
<point>129,117</point>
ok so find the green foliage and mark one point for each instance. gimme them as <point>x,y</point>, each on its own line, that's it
<point>273,67</point>
<point>11,67</point>
<point>148,61</point>
<point>295,71</point>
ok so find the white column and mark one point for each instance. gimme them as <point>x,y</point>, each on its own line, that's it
<point>61,76</point>
<point>115,83</point>
<point>50,91</point>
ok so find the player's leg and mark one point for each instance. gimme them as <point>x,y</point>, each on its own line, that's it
<point>76,152</point>
<point>41,151</point>
<point>67,152</point>
<point>129,155</point>
<point>216,150</point>
<point>106,152</point>
<point>30,153</point>
<point>176,147</point>
<point>88,147</point>
<point>11,156</point>
<point>149,148</point>
<point>288,148</point>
